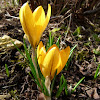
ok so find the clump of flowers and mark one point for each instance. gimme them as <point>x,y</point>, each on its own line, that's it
<point>33,24</point>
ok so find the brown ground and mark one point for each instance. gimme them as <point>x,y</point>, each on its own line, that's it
<point>84,60</point>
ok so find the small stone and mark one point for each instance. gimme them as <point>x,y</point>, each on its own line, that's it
<point>6,43</point>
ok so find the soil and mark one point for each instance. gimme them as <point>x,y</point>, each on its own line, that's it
<point>84,60</point>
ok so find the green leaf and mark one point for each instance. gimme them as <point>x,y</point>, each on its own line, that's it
<point>60,90</point>
<point>50,42</point>
<point>95,36</point>
<point>96,51</point>
<point>7,71</point>
<point>61,85</point>
<point>77,84</point>
<point>29,60</point>
<point>96,73</point>
<point>32,77</point>
<point>51,39</point>
<point>31,65</point>
<point>87,43</point>
<point>57,43</point>
<point>68,62</point>
<point>38,68</point>
<point>70,58</point>
<point>72,49</point>
<point>29,48</point>
<point>55,30</point>
<point>40,74</point>
<point>66,89</point>
<point>52,85</point>
<point>45,89</point>
<point>77,31</point>
<point>61,80</point>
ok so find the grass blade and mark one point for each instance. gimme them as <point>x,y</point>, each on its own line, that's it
<point>68,62</point>
<point>61,86</point>
<point>45,89</point>
<point>72,49</point>
<point>61,80</point>
<point>77,84</point>
<point>60,90</point>
<point>31,65</point>
<point>52,85</point>
<point>51,39</point>
<point>50,42</point>
<point>58,40</point>
<point>7,71</point>
<point>70,58</point>
<point>96,73</point>
<point>66,89</point>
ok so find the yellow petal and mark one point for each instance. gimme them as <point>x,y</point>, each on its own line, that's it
<point>64,54</point>
<point>47,18</point>
<point>54,45</point>
<point>27,20</point>
<point>39,47</point>
<point>51,61</point>
<point>39,19</point>
<point>41,52</point>
<point>22,19</point>
<point>39,16</point>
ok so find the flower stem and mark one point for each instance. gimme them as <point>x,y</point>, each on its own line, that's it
<point>35,65</point>
<point>47,84</point>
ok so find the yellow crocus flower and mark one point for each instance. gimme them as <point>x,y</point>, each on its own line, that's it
<point>52,60</point>
<point>34,23</point>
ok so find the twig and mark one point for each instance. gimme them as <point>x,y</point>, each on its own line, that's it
<point>92,11</point>
<point>9,16</point>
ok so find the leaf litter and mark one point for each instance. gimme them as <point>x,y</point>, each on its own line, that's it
<point>83,31</point>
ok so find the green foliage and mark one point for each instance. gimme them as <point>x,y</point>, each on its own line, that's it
<point>82,54</point>
<point>61,86</point>
<point>77,84</point>
<point>50,42</point>
<point>45,89</point>
<point>29,61</point>
<point>97,73</point>
<point>96,51</point>
<point>95,36</point>
<point>72,49</point>
<point>70,58</point>
<point>32,66</point>
<point>77,31</point>
<point>52,85</point>
<point>7,71</point>
<point>51,39</point>
<point>14,95</point>
<point>87,44</point>
<point>58,42</point>
<point>55,30</point>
